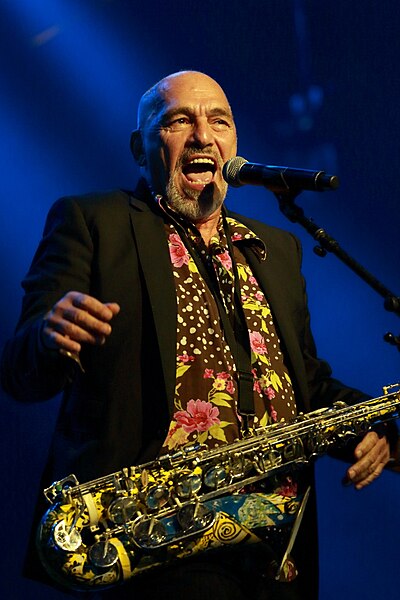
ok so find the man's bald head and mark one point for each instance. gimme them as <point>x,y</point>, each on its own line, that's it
<point>152,100</point>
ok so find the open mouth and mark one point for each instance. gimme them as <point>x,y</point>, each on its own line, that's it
<point>199,171</point>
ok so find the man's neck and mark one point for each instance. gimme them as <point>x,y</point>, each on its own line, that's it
<point>209,227</point>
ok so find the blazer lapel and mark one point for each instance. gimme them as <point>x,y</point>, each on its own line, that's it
<point>153,255</point>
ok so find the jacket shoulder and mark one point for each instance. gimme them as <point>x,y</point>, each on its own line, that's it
<point>96,201</point>
<point>268,233</point>
<point>107,207</point>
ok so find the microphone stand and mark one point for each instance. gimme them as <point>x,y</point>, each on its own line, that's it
<point>326,244</point>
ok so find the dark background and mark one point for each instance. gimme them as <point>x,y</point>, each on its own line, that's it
<point>313,84</point>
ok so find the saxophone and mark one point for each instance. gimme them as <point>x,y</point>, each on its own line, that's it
<point>102,533</point>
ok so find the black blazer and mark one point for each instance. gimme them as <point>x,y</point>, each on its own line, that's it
<point>113,246</point>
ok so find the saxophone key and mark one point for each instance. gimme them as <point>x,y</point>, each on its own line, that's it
<point>65,537</point>
<point>103,554</point>
<point>294,450</point>
<point>269,459</point>
<point>195,516</point>
<point>157,497</point>
<point>240,466</point>
<point>215,476</point>
<point>186,485</point>
<point>149,532</point>
<point>123,510</point>
<point>144,478</point>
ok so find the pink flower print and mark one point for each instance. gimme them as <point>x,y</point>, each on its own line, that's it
<point>230,388</point>
<point>223,375</point>
<point>259,296</point>
<point>257,343</point>
<point>237,236</point>
<point>199,416</point>
<point>179,254</point>
<point>269,392</point>
<point>252,280</point>
<point>273,414</point>
<point>257,386</point>
<point>225,260</point>
<point>185,358</point>
<point>208,373</point>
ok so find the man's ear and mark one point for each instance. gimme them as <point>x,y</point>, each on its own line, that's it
<point>137,148</point>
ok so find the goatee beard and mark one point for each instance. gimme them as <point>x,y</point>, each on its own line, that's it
<point>196,205</point>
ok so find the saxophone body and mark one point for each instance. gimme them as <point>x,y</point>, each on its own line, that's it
<point>102,533</point>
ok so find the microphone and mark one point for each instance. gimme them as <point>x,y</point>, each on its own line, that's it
<point>238,171</point>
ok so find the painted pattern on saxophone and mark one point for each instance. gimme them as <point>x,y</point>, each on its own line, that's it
<point>101,533</point>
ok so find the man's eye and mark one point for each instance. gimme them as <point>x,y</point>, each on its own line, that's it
<point>220,124</point>
<point>179,123</point>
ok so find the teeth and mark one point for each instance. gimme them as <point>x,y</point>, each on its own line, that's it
<point>202,160</point>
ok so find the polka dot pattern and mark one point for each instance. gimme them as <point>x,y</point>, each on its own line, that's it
<point>206,385</point>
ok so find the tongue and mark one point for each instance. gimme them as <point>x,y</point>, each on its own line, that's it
<point>201,176</point>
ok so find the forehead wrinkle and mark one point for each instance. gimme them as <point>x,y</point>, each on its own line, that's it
<point>189,111</point>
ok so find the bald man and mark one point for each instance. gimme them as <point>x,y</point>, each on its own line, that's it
<point>128,310</point>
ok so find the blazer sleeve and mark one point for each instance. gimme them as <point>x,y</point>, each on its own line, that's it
<point>325,390</point>
<point>61,263</point>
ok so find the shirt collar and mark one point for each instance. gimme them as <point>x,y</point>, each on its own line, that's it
<point>241,235</point>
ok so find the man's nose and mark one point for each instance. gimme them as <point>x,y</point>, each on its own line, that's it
<point>202,134</point>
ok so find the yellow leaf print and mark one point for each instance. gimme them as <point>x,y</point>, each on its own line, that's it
<point>237,224</point>
<point>220,399</point>
<point>264,326</point>
<point>242,272</point>
<point>192,266</point>
<point>178,438</point>
<point>201,438</point>
<point>181,370</point>
<point>177,405</point>
<point>223,424</point>
<point>275,381</point>
<point>218,402</point>
<point>251,305</point>
<point>264,358</point>
<point>265,312</point>
<point>217,433</point>
<point>287,377</point>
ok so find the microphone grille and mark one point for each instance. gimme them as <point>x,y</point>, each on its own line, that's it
<point>230,170</point>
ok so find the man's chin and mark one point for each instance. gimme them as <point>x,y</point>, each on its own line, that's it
<point>193,204</point>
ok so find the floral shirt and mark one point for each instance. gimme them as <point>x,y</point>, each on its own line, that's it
<point>206,387</point>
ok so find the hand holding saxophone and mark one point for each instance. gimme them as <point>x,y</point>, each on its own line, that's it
<point>77,319</point>
<point>372,454</point>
